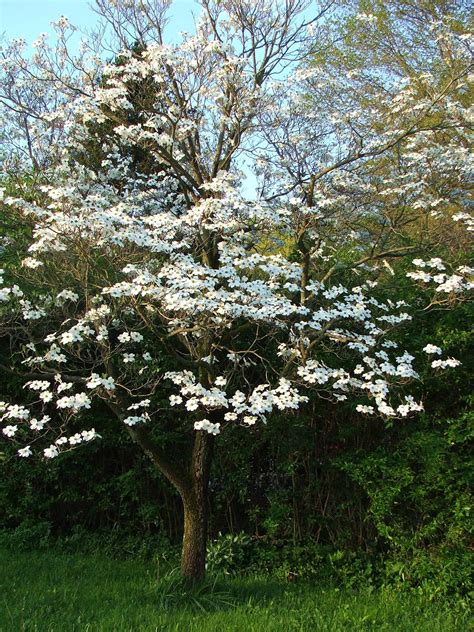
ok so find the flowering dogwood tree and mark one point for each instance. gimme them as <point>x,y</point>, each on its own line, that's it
<point>127,272</point>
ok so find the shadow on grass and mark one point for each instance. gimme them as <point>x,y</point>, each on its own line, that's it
<point>220,593</point>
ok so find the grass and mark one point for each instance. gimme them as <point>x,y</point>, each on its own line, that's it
<point>47,592</point>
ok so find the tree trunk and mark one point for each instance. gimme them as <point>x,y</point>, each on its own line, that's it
<point>195,502</point>
<point>193,556</point>
<point>192,484</point>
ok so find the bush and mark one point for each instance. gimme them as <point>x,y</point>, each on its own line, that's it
<point>435,572</point>
<point>230,554</point>
<point>28,536</point>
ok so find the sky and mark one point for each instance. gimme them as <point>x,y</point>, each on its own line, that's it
<point>29,18</point>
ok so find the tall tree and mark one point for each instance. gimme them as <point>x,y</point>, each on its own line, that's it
<point>169,282</point>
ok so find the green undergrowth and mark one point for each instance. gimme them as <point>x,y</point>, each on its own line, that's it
<point>44,591</point>
<point>436,572</point>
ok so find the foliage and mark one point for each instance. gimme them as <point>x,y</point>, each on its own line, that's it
<point>229,554</point>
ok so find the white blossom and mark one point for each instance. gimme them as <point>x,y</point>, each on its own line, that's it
<point>207,426</point>
<point>51,452</point>
<point>432,349</point>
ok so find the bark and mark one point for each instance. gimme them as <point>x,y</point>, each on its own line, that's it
<point>193,556</point>
<point>196,501</point>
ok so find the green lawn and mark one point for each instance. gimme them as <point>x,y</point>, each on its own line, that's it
<point>48,592</point>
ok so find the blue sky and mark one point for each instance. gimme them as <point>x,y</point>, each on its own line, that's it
<point>29,18</point>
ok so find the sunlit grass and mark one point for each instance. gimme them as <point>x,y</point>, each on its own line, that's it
<point>45,592</point>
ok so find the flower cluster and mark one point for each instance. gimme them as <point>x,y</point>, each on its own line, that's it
<point>207,426</point>
<point>456,283</point>
<point>96,381</point>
